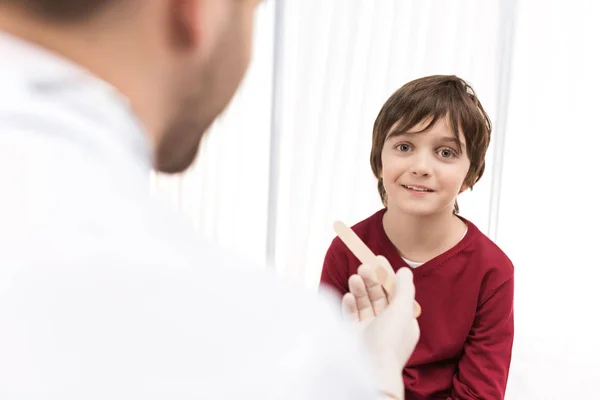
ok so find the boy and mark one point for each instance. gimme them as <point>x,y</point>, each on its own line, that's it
<point>429,145</point>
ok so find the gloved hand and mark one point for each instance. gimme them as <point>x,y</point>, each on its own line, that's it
<point>387,322</point>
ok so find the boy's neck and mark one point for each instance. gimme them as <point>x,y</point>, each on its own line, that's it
<point>421,238</point>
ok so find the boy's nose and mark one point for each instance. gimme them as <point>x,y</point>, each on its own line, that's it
<point>421,165</point>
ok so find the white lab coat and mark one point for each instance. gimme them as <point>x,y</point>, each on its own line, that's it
<point>104,294</point>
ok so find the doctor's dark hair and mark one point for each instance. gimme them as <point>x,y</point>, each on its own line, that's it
<point>432,98</point>
<point>63,11</point>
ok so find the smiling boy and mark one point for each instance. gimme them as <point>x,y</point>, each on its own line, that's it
<point>429,145</point>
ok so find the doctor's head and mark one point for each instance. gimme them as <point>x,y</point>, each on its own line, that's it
<point>178,61</point>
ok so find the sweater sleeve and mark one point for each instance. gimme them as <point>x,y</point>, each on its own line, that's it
<point>335,273</point>
<point>483,367</point>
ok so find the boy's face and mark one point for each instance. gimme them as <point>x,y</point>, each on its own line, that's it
<point>423,172</point>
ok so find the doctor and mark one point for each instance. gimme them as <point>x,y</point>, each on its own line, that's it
<point>104,294</point>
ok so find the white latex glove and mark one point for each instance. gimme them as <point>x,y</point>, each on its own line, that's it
<point>387,323</point>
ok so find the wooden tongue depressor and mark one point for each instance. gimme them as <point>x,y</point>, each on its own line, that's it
<point>385,275</point>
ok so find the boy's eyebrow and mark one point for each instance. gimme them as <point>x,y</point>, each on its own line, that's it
<point>454,140</point>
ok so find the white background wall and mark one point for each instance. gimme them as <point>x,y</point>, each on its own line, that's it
<point>535,66</point>
<point>549,214</point>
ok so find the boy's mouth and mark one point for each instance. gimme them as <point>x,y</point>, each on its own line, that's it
<point>418,188</point>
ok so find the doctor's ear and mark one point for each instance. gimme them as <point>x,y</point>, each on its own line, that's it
<point>185,23</point>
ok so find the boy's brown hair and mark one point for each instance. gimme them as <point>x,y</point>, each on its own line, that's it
<point>434,97</point>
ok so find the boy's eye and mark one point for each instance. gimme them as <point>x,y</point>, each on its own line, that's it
<point>446,153</point>
<point>403,147</point>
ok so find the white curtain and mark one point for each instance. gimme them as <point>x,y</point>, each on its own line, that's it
<point>549,215</point>
<point>338,62</point>
<point>342,60</point>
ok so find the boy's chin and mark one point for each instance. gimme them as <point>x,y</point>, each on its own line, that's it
<point>424,210</point>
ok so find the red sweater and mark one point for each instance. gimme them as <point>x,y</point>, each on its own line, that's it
<point>466,295</point>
